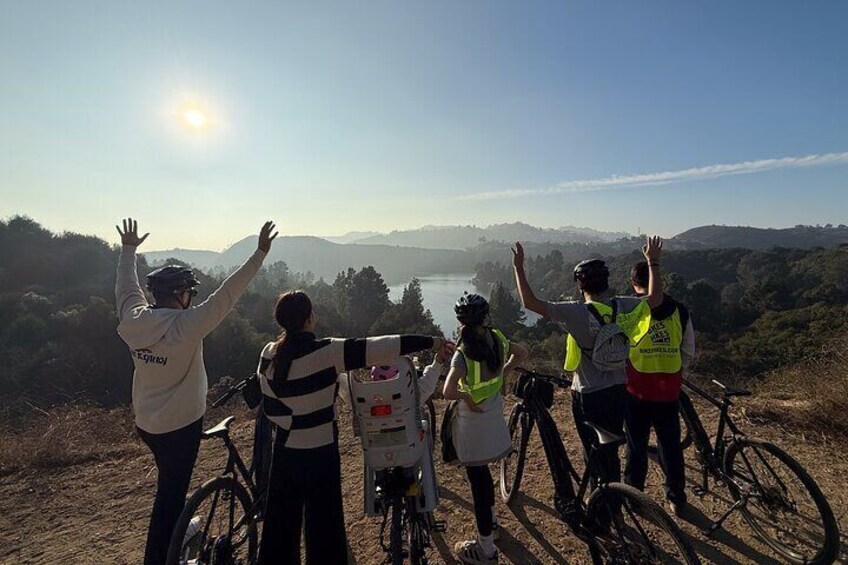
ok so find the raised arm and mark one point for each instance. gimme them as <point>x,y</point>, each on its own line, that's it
<point>128,293</point>
<point>364,352</point>
<point>430,377</point>
<point>528,298</point>
<point>197,322</point>
<point>652,250</point>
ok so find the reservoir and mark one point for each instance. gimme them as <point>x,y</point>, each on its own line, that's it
<point>441,292</point>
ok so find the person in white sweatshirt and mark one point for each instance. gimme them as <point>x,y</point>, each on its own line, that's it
<point>169,382</point>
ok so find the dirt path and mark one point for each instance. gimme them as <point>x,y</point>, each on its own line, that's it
<point>97,512</point>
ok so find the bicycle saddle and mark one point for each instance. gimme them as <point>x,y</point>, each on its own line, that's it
<point>606,437</point>
<point>221,430</point>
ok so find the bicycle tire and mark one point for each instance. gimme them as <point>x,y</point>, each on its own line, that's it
<point>416,537</point>
<point>609,509</point>
<point>519,436</point>
<point>208,490</point>
<point>738,467</point>
<point>685,437</point>
<point>396,533</point>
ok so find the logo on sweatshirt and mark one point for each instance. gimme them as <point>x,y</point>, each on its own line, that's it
<point>146,356</point>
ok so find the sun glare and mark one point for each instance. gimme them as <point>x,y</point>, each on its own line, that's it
<point>195,118</point>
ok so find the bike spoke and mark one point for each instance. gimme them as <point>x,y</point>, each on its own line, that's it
<point>779,502</point>
<point>631,536</point>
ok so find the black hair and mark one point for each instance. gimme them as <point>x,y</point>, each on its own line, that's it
<point>639,274</point>
<point>474,345</point>
<point>594,283</point>
<point>291,312</point>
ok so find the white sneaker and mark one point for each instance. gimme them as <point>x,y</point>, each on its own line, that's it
<point>191,545</point>
<point>470,551</point>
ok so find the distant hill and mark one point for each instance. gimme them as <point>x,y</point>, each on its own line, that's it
<point>403,259</point>
<point>800,237</point>
<point>199,258</point>
<point>351,236</point>
<point>326,259</point>
<point>465,237</point>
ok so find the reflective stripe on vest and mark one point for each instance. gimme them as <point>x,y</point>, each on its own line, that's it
<point>659,351</point>
<point>478,389</point>
<point>635,324</point>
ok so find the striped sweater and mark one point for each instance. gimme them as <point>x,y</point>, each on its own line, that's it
<point>302,404</point>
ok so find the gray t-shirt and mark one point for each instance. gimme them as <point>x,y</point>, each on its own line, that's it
<point>575,318</point>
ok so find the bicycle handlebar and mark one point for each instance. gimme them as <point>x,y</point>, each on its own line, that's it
<point>234,389</point>
<point>557,380</point>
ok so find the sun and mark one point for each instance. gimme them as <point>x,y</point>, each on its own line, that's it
<point>195,118</point>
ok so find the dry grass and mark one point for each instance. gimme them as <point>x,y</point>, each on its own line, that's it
<point>63,436</point>
<point>809,398</point>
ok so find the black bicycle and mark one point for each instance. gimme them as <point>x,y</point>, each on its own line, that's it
<point>778,498</point>
<point>220,522</point>
<point>409,529</point>
<point>619,523</point>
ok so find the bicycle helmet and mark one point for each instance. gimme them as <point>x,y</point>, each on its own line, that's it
<point>471,309</point>
<point>172,279</point>
<point>591,268</point>
<point>399,367</point>
<point>383,372</point>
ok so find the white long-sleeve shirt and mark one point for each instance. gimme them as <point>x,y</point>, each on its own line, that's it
<point>170,382</point>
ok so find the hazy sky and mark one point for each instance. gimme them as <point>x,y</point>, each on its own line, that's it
<point>329,117</point>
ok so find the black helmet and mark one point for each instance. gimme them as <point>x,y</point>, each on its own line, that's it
<point>471,309</point>
<point>172,279</point>
<point>590,268</point>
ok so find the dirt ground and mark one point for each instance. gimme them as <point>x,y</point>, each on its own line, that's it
<point>97,512</point>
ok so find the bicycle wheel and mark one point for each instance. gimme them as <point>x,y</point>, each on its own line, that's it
<point>418,534</point>
<point>215,526</point>
<point>512,466</point>
<point>431,418</point>
<point>785,506</point>
<point>396,533</point>
<point>629,527</point>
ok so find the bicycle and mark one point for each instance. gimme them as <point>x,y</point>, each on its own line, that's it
<point>619,523</point>
<point>220,521</point>
<point>408,527</point>
<point>400,486</point>
<point>796,523</point>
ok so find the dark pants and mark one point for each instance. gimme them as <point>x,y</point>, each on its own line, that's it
<point>483,494</point>
<point>641,415</point>
<point>175,454</point>
<point>604,408</point>
<point>304,493</point>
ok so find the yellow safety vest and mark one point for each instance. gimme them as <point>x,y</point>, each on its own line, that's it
<point>479,389</point>
<point>635,324</point>
<point>659,350</point>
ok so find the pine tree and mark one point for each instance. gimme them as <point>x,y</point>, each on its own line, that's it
<point>504,310</point>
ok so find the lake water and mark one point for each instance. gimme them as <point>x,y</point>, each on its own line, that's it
<point>441,292</point>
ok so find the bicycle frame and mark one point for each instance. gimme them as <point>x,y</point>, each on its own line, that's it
<point>713,455</point>
<point>568,501</point>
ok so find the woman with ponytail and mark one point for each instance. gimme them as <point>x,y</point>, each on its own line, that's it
<point>299,376</point>
<point>480,432</point>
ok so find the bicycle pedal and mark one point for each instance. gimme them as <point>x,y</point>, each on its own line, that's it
<point>440,526</point>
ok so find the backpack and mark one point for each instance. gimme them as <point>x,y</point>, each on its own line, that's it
<point>612,346</point>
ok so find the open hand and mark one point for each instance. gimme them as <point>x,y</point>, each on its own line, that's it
<point>265,237</point>
<point>446,352</point>
<point>653,248</point>
<point>130,234</point>
<point>517,255</point>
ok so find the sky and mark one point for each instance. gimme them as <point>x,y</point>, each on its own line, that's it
<point>336,116</point>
